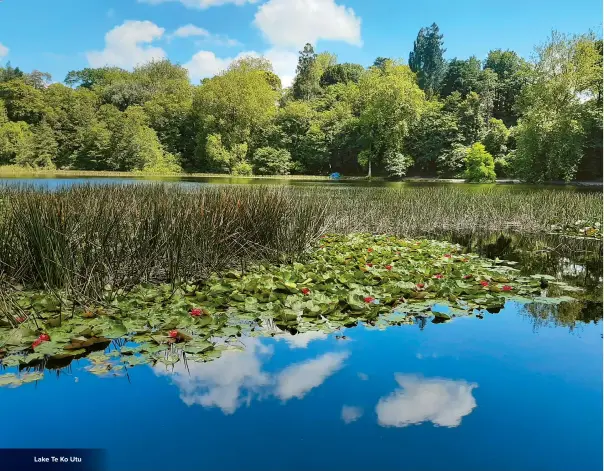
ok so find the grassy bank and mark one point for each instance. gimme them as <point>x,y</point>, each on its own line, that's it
<point>87,237</point>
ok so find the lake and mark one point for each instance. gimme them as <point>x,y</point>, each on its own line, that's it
<point>513,389</point>
<point>53,182</point>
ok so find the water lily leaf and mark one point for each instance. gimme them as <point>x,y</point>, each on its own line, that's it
<point>12,360</point>
<point>31,377</point>
<point>10,380</point>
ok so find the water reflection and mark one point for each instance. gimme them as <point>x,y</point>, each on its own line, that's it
<point>226,382</point>
<point>297,380</point>
<point>237,377</point>
<point>444,402</point>
<point>351,414</point>
<point>301,339</point>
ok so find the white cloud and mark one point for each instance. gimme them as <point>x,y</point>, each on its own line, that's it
<point>351,414</point>
<point>226,382</point>
<point>207,64</point>
<point>441,401</point>
<point>296,380</point>
<point>293,23</point>
<point>3,51</point>
<point>128,45</point>
<point>284,64</point>
<point>200,4</point>
<point>190,30</point>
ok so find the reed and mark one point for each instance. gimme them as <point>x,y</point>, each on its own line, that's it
<point>93,240</point>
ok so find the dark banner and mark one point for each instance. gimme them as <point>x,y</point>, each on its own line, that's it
<point>52,459</point>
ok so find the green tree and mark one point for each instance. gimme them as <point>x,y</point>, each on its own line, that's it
<point>227,160</point>
<point>433,136</point>
<point>14,137</point>
<point>40,149</point>
<point>496,138</point>
<point>341,73</point>
<point>512,75</point>
<point>270,161</point>
<point>427,60</point>
<point>551,135</point>
<point>390,104</point>
<point>462,76</point>
<point>470,115</point>
<point>8,73</point>
<point>303,87</point>
<point>22,101</point>
<point>235,104</point>
<point>480,166</point>
<point>68,111</point>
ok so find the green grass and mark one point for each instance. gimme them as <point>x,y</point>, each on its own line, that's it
<point>86,237</point>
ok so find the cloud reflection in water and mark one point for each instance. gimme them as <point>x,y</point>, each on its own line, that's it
<point>443,402</point>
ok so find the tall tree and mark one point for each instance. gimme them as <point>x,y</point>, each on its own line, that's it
<point>427,60</point>
<point>551,134</point>
<point>390,103</point>
<point>303,86</point>
<point>512,75</point>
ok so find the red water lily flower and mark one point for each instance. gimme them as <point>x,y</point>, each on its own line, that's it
<point>388,267</point>
<point>305,291</point>
<point>507,288</point>
<point>44,337</point>
<point>467,277</point>
<point>438,276</point>
<point>420,285</point>
<point>196,312</point>
<point>173,334</point>
<point>36,343</point>
<point>484,283</point>
<point>368,299</point>
<point>20,319</point>
<point>398,253</point>
<point>370,264</point>
<point>369,249</point>
<point>447,255</point>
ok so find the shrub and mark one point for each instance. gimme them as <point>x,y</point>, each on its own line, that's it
<point>480,166</point>
<point>242,168</point>
<point>271,161</point>
<point>451,163</point>
<point>397,164</point>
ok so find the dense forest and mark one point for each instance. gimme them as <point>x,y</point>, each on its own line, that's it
<point>537,120</point>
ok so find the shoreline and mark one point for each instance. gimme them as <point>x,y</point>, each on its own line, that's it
<point>35,173</point>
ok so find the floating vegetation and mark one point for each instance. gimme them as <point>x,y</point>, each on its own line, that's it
<point>580,228</point>
<point>343,281</point>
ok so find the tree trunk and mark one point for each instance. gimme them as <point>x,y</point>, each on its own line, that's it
<point>369,172</point>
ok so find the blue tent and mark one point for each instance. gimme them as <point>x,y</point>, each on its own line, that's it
<point>335,176</point>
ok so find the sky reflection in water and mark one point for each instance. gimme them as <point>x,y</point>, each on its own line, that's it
<point>467,395</point>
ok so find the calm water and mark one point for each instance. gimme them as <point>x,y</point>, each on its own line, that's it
<point>61,182</point>
<point>517,390</point>
<point>497,393</point>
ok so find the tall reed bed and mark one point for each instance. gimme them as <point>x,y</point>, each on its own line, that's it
<point>84,238</point>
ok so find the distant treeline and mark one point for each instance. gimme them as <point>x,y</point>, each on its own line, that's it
<point>538,120</point>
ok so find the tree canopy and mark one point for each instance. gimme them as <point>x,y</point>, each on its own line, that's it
<point>537,119</point>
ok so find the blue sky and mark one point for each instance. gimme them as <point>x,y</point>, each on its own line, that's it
<point>205,35</point>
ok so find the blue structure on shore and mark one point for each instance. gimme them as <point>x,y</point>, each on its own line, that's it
<point>335,176</point>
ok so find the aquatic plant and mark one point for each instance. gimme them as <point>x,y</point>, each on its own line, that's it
<point>344,280</point>
<point>85,238</point>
